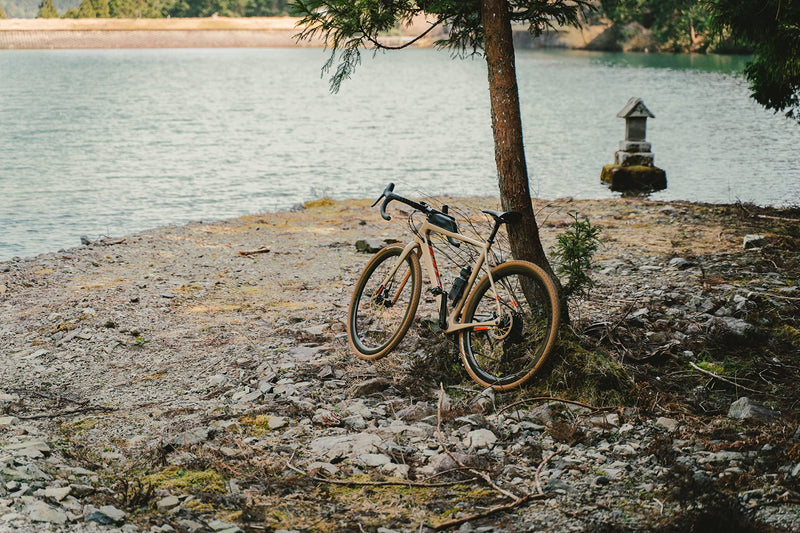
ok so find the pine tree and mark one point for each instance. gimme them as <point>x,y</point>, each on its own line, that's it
<point>47,10</point>
<point>473,26</point>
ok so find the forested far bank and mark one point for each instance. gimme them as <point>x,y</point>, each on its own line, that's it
<point>626,25</point>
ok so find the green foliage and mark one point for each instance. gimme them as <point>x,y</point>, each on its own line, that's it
<point>575,249</point>
<point>348,26</point>
<point>139,8</point>
<point>47,10</point>
<point>772,29</point>
<point>229,8</point>
<point>85,10</point>
<point>676,25</point>
<point>2,13</point>
<point>29,8</point>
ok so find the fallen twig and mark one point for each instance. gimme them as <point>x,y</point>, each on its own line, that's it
<point>506,507</point>
<point>717,376</point>
<point>253,252</point>
<point>554,399</point>
<point>536,477</point>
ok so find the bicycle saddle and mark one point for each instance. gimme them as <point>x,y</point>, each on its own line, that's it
<point>506,217</point>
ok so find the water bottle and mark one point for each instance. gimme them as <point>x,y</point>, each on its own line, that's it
<point>459,283</point>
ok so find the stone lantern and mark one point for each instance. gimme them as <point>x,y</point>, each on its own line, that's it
<point>633,168</point>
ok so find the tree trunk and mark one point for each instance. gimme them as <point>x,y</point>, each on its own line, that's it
<point>509,151</point>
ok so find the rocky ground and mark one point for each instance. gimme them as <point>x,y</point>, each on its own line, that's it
<point>167,381</point>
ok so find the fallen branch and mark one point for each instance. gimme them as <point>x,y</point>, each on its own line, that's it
<point>554,399</point>
<point>717,376</point>
<point>405,483</point>
<point>506,507</point>
<point>253,252</point>
<point>536,477</point>
<point>516,501</point>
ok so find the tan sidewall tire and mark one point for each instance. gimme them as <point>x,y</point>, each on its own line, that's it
<point>416,280</point>
<point>555,305</point>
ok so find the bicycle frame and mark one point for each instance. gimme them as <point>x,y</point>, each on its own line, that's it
<point>422,242</point>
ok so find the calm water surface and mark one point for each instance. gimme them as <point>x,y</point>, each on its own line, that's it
<point>113,141</point>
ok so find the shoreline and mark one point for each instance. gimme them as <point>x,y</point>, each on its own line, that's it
<point>224,32</point>
<point>205,32</point>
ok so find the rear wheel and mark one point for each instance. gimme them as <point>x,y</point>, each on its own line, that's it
<point>383,306</point>
<point>507,353</point>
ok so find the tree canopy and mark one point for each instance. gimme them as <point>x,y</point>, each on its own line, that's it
<point>772,29</point>
<point>349,26</point>
<point>472,25</point>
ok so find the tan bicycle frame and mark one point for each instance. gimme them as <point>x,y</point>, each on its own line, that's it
<point>422,242</point>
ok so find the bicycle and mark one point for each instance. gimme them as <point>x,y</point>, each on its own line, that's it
<point>506,323</point>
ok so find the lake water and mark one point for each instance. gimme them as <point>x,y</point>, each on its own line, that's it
<point>107,142</point>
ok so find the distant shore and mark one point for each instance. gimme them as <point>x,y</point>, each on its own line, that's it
<point>219,32</point>
<point>151,33</point>
<point>267,32</point>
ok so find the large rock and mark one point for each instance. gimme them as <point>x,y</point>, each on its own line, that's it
<point>746,409</point>
<point>39,511</point>
<point>338,446</point>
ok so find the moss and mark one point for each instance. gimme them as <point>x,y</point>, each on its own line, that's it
<point>255,425</point>
<point>192,481</point>
<point>591,376</point>
<point>322,202</point>
<point>712,366</point>
<point>789,334</point>
<point>80,425</point>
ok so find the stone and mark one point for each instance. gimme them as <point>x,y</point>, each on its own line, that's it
<point>39,511</point>
<point>218,526</point>
<point>746,409</point>
<point>680,263</point>
<point>734,328</point>
<point>606,421</point>
<point>480,438</point>
<point>277,422</point>
<point>670,424</point>
<point>37,445</point>
<point>191,437</point>
<point>191,526</point>
<point>753,241</point>
<point>369,246</point>
<point>374,459</point>
<point>318,466</point>
<point>333,447</point>
<point>416,412</point>
<point>107,514</point>
<point>356,422</point>
<point>165,504</point>
<point>57,493</point>
<point>369,387</point>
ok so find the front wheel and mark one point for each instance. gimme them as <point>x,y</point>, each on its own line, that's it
<point>384,302</point>
<point>520,312</point>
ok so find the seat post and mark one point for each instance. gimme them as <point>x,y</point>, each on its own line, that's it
<point>497,223</point>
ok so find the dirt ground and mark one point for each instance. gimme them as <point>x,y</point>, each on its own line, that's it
<point>112,351</point>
